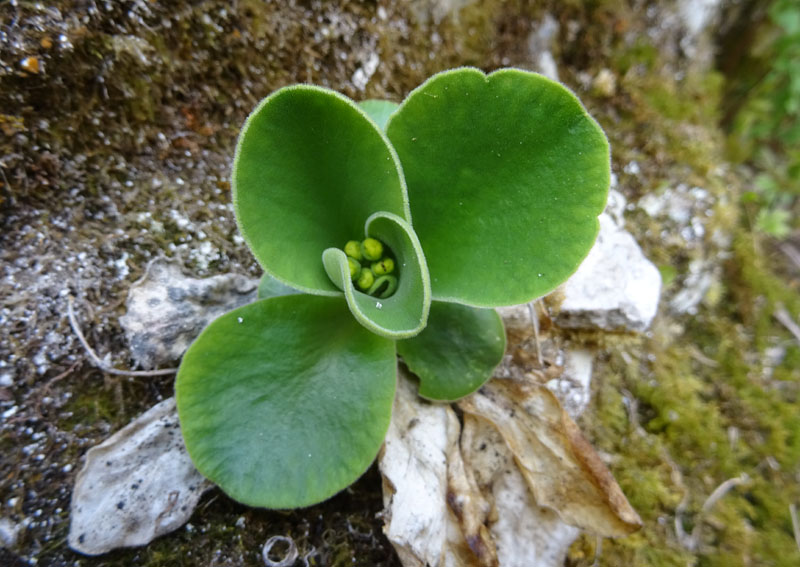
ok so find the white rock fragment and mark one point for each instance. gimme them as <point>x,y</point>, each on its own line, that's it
<point>414,470</point>
<point>683,207</point>
<point>10,412</point>
<point>540,43</point>
<point>573,386</point>
<point>364,73</point>
<point>6,380</point>
<point>605,83</point>
<point>9,531</point>
<point>135,47</point>
<point>135,486</point>
<point>615,207</point>
<point>615,288</point>
<point>167,310</point>
<point>697,16</point>
<point>698,282</point>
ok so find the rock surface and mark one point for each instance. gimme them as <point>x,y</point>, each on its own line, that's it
<point>135,486</point>
<point>141,483</point>
<point>685,215</point>
<point>615,288</point>
<point>167,309</point>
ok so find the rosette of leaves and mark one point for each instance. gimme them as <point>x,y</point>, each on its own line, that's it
<point>486,189</point>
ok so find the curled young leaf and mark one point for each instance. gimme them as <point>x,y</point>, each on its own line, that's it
<point>405,313</point>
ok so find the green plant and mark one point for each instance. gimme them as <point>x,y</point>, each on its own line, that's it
<point>765,118</point>
<point>286,401</point>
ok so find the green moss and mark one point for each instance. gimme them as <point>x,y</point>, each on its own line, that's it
<point>709,401</point>
<point>642,53</point>
<point>700,420</point>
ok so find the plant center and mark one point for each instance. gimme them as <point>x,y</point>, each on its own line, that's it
<point>372,267</point>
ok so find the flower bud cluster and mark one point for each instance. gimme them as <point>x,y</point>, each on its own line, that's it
<point>372,267</point>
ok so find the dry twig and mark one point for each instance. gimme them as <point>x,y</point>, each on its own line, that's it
<point>786,320</point>
<point>535,324</point>
<point>795,524</point>
<point>792,253</point>
<point>695,353</point>
<point>96,359</point>
<point>693,540</point>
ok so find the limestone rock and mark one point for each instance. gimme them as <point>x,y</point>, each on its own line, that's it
<point>167,309</point>
<point>573,386</point>
<point>699,280</point>
<point>689,226</point>
<point>615,288</point>
<point>135,486</point>
<point>414,468</point>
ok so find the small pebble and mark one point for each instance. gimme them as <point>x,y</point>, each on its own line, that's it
<point>30,65</point>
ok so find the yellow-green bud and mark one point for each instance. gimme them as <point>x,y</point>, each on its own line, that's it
<point>383,267</point>
<point>372,249</point>
<point>365,279</point>
<point>353,249</point>
<point>355,268</point>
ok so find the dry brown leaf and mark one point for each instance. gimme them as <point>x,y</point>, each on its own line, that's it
<point>525,535</point>
<point>457,498</point>
<point>561,468</point>
<point>466,502</point>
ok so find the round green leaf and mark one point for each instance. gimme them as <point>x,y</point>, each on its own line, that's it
<point>405,313</point>
<point>285,401</point>
<point>506,176</point>
<point>378,110</point>
<point>457,352</point>
<point>310,167</point>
